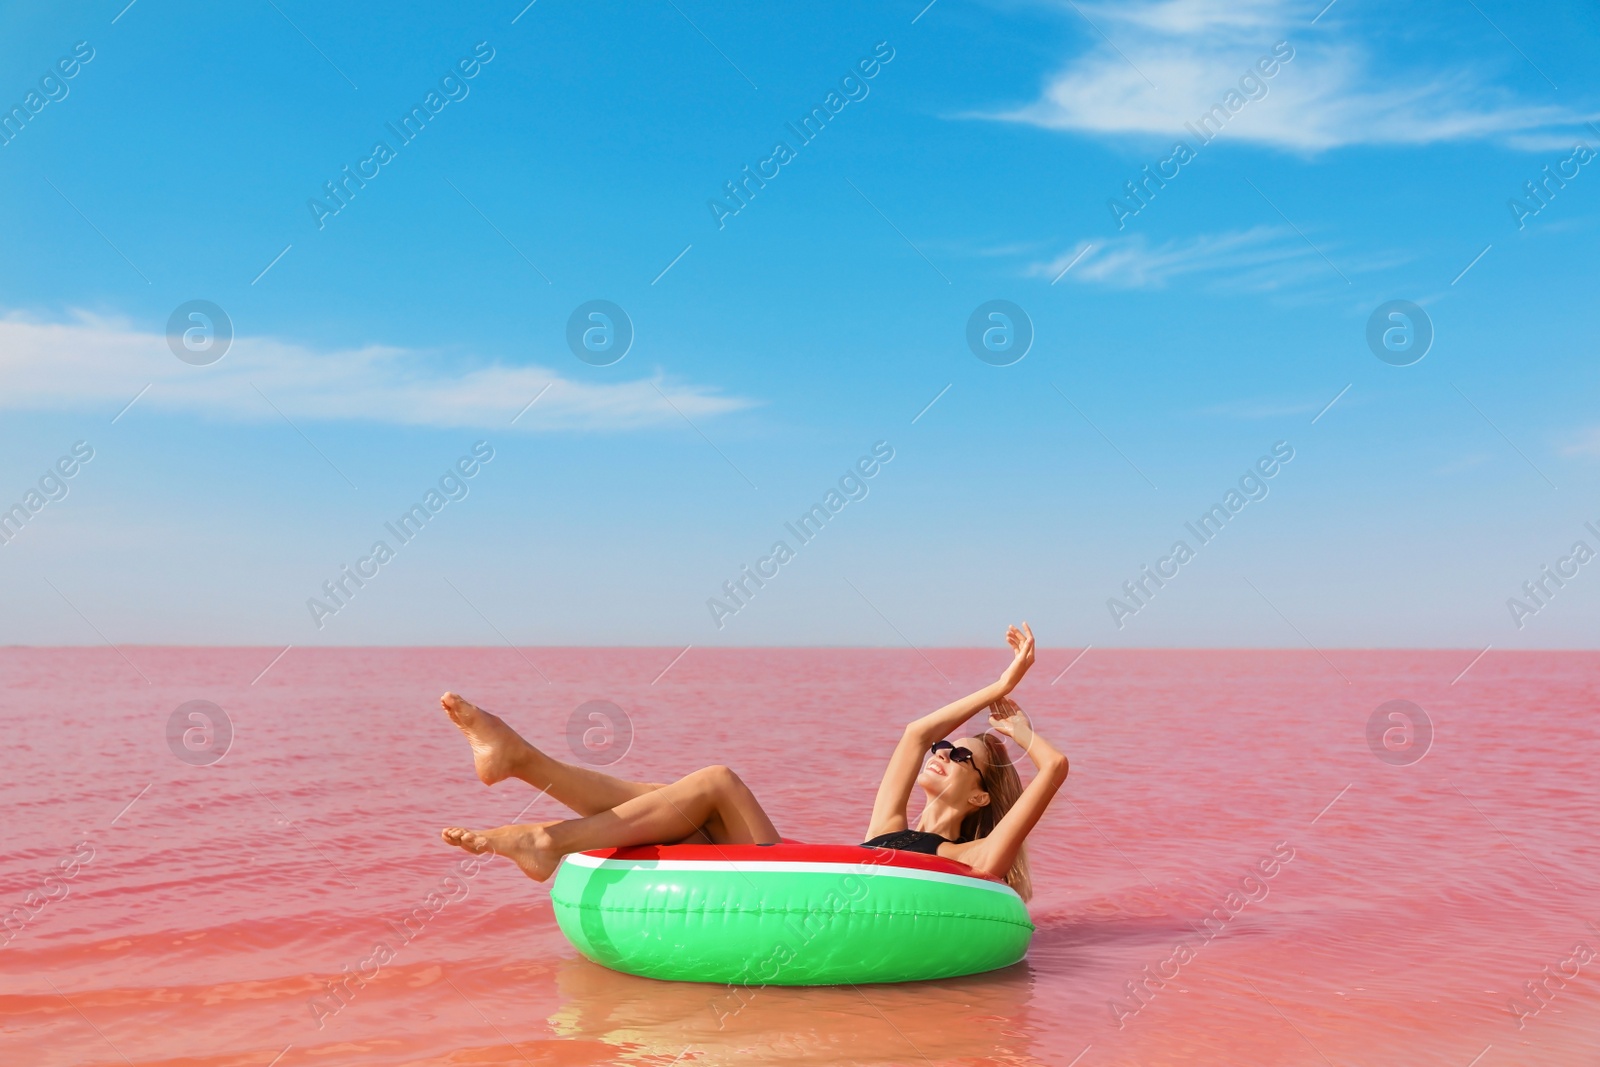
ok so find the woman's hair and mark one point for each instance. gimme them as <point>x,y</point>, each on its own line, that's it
<point>1004,786</point>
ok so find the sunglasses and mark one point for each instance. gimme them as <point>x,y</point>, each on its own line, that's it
<point>955,753</point>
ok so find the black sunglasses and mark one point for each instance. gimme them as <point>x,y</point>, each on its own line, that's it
<point>957,753</point>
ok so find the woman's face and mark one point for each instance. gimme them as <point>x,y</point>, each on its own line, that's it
<point>955,779</point>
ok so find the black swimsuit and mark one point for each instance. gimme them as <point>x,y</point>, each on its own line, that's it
<point>909,841</point>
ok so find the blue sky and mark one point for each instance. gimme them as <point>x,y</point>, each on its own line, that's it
<point>773,347</point>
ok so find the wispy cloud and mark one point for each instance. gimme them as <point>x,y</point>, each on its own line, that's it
<point>1585,443</point>
<point>1260,259</point>
<point>1162,64</point>
<point>91,362</point>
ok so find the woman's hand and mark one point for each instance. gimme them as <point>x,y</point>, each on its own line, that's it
<point>931,727</point>
<point>1007,717</point>
<point>1021,642</point>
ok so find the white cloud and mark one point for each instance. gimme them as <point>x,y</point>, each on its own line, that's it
<point>1260,259</point>
<point>1173,17</point>
<point>1333,91</point>
<point>95,362</point>
<point>1586,443</point>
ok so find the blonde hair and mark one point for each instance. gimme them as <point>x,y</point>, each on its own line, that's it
<point>1004,786</point>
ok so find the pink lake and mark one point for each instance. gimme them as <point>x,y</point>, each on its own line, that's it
<point>209,903</point>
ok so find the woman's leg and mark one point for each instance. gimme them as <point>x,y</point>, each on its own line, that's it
<point>499,752</point>
<point>713,798</point>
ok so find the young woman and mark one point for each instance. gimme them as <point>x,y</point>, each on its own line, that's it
<point>976,810</point>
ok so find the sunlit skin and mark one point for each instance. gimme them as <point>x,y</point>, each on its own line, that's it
<point>714,805</point>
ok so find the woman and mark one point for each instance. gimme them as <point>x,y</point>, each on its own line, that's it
<point>976,811</point>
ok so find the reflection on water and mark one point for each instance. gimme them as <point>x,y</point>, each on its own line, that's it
<point>979,1019</point>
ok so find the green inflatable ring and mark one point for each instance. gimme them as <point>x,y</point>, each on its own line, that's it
<point>786,914</point>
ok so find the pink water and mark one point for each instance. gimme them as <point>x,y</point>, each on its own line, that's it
<point>224,899</point>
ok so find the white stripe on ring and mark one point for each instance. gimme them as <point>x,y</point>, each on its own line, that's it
<point>864,870</point>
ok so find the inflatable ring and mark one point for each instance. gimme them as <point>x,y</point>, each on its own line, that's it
<point>786,914</point>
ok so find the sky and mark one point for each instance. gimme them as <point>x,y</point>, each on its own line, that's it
<point>800,221</point>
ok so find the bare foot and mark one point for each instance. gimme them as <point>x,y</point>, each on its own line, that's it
<point>496,747</point>
<point>529,847</point>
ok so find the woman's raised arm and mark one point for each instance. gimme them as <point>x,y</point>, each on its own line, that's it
<point>994,853</point>
<point>937,724</point>
<point>889,807</point>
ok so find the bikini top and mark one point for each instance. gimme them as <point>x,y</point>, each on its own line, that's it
<point>909,841</point>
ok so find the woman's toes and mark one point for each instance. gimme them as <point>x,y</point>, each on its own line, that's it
<point>462,838</point>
